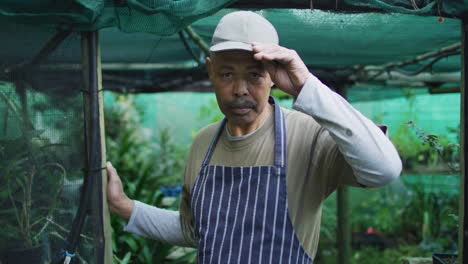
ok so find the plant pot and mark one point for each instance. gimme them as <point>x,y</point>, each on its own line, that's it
<point>441,258</point>
<point>23,256</point>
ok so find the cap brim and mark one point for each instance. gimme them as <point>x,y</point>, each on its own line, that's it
<point>231,45</point>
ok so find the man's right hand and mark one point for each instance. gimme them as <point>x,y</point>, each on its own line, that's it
<point>119,203</point>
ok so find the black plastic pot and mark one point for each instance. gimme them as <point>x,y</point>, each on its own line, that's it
<point>441,258</point>
<point>23,256</point>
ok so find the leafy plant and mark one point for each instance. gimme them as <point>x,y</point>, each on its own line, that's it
<point>369,255</point>
<point>28,166</point>
<point>448,152</point>
<point>429,220</point>
<point>143,166</point>
<point>424,151</point>
<point>279,94</point>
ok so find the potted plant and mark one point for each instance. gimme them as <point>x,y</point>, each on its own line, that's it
<point>30,180</point>
<point>28,197</point>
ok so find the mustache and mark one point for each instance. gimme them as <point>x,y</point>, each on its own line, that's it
<point>242,103</point>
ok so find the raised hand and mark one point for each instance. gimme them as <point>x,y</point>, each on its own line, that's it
<point>286,68</point>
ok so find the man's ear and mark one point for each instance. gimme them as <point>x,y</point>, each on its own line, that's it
<point>209,66</point>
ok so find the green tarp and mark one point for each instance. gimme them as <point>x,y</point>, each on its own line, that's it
<point>421,7</point>
<point>322,39</point>
<point>160,17</point>
<point>339,39</point>
<point>167,17</point>
<point>145,33</point>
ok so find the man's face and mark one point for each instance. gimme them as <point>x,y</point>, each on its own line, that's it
<point>242,86</point>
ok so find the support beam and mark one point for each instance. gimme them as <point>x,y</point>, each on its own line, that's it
<point>49,47</point>
<point>463,224</point>
<point>198,40</point>
<point>445,50</point>
<point>46,50</point>
<point>96,147</point>
<point>393,76</point>
<point>121,66</point>
<point>92,200</point>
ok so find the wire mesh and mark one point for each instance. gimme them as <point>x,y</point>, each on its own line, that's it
<point>41,164</point>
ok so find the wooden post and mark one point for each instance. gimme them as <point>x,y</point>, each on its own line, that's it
<point>96,149</point>
<point>463,224</point>
<point>93,198</point>
<point>343,229</point>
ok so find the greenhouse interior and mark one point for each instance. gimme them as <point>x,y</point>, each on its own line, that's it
<point>83,82</point>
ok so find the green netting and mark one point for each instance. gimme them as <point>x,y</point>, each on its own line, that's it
<point>420,7</point>
<point>393,106</point>
<point>167,17</point>
<point>331,39</point>
<point>323,39</point>
<point>161,17</point>
<point>42,153</point>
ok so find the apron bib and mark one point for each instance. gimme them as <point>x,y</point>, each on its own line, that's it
<point>241,213</point>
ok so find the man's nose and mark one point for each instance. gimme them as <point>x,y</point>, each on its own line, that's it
<point>240,88</point>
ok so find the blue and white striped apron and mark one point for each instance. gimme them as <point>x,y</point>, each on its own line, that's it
<point>241,213</point>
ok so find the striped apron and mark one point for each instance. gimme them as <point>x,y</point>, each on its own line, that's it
<point>241,213</point>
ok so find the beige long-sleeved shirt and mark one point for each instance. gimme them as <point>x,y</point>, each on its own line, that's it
<point>328,143</point>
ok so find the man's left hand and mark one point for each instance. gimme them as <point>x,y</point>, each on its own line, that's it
<point>286,68</point>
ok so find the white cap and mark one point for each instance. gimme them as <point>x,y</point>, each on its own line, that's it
<point>237,30</point>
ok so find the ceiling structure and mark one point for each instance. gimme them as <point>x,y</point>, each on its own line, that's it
<point>144,47</point>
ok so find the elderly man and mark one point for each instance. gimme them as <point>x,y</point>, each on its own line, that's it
<point>255,182</point>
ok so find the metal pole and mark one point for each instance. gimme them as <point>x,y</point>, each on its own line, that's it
<point>343,230</point>
<point>463,224</point>
<point>94,149</point>
<point>93,167</point>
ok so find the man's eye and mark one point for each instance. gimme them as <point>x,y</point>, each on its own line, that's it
<point>255,75</point>
<point>226,75</point>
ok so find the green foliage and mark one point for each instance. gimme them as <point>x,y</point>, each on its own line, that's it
<point>143,166</point>
<point>372,255</point>
<point>380,211</point>
<point>279,94</point>
<point>431,219</point>
<point>415,217</point>
<point>448,152</point>
<point>24,181</point>
<point>32,177</point>
<point>369,255</point>
<point>422,151</point>
<point>327,246</point>
<point>209,113</point>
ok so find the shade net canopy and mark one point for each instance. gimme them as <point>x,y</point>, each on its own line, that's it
<point>335,45</point>
<point>167,17</point>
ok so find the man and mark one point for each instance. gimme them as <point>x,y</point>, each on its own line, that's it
<point>254,183</point>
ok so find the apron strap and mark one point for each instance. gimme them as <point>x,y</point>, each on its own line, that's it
<point>280,134</point>
<point>280,137</point>
<point>210,151</point>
